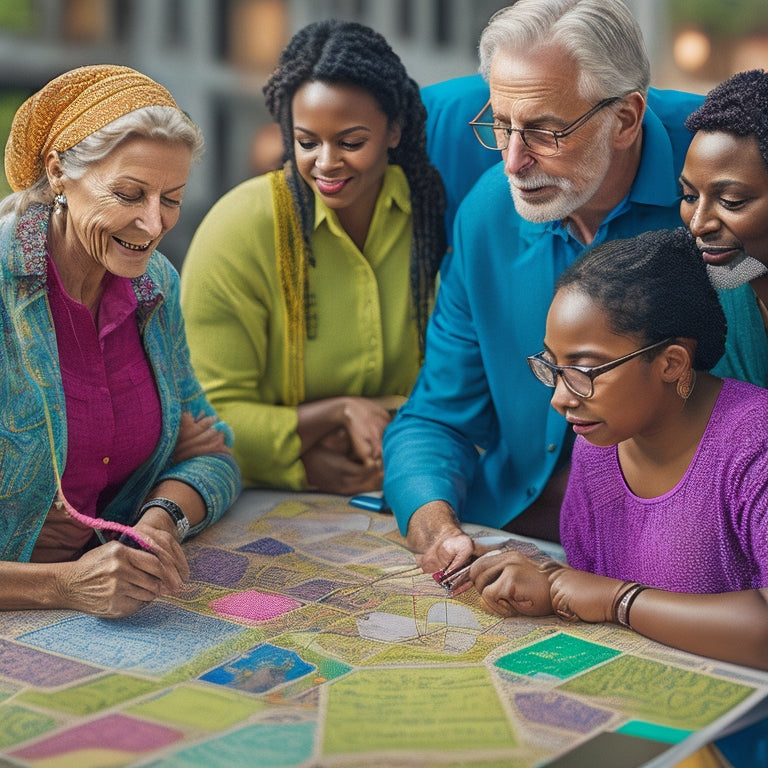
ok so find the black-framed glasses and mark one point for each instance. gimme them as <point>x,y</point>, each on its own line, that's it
<point>493,134</point>
<point>580,378</point>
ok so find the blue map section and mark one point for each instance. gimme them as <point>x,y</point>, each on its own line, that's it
<point>155,640</point>
<point>260,670</point>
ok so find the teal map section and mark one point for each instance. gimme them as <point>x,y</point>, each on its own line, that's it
<point>561,656</point>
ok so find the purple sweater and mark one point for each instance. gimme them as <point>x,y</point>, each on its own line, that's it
<point>708,534</point>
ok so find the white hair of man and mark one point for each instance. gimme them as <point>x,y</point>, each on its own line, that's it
<point>601,36</point>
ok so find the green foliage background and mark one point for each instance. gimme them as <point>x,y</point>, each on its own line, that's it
<point>720,18</point>
<point>16,17</point>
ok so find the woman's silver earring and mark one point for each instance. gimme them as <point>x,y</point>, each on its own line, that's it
<point>59,203</point>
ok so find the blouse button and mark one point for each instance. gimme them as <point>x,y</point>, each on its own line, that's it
<point>105,460</point>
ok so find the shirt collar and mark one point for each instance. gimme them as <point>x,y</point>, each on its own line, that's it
<point>394,192</point>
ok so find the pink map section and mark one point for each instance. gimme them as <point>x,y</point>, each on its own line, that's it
<point>114,732</point>
<point>254,605</point>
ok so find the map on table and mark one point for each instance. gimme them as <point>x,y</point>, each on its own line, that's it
<point>307,636</point>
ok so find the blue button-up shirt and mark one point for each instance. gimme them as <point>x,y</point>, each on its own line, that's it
<point>475,388</point>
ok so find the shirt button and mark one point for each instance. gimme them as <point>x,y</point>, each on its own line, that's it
<point>105,460</point>
<point>551,448</point>
<point>532,491</point>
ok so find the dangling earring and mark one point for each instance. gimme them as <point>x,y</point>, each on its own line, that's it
<point>59,203</point>
<point>686,383</point>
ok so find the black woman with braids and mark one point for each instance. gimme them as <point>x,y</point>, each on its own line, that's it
<point>306,291</point>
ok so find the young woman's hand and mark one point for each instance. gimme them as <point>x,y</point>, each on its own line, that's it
<point>198,437</point>
<point>341,442</point>
<point>331,469</point>
<point>365,421</point>
<point>511,584</point>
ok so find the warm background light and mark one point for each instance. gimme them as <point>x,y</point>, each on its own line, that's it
<point>691,50</point>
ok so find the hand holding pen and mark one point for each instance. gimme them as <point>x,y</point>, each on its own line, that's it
<point>456,580</point>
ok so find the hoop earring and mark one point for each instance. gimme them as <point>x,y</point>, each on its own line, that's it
<point>686,383</point>
<point>59,203</point>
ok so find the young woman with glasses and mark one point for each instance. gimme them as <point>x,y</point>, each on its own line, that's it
<point>663,523</point>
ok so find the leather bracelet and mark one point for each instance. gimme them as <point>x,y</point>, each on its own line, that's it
<point>623,606</point>
<point>620,592</point>
<point>174,510</point>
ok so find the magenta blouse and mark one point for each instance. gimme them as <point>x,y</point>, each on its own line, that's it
<point>113,408</point>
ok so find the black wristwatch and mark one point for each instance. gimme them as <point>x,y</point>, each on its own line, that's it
<point>174,510</point>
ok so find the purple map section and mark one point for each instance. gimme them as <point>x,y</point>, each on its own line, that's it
<point>117,732</point>
<point>218,566</point>
<point>267,546</point>
<point>40,669</point>
<point>560,712</point>
<point>314,589</point>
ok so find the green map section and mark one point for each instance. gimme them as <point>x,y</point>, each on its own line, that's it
<point>93,696</point>
<point>561,656</point>
<point>660,693</point>
<point>656,732</point>
<point>276,745</point>
<point>416,709</point>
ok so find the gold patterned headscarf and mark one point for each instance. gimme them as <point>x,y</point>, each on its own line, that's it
<point>71,107</point>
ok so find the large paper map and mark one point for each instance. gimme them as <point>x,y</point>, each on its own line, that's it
<point>307,636</point>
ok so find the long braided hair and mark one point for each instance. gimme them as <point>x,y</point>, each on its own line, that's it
<point>347,53</point>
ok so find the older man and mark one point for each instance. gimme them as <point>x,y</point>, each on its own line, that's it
<point>588,155</point>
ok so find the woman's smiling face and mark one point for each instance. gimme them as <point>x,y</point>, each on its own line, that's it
<point>725,197</point>
<point>121,207</point>
<point>342,139</point>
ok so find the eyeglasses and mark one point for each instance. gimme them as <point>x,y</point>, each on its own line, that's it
<point>579,378</point>
<point>496,135</point>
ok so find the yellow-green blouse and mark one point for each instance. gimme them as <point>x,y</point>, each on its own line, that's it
<point>365,340</point>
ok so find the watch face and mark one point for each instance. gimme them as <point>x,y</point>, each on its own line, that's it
<point>182,528</point>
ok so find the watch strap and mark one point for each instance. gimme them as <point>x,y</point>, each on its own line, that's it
<point>174,510</point>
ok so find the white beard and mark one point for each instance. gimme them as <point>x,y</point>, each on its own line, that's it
<point>588,175</point>
<point>739,271</point>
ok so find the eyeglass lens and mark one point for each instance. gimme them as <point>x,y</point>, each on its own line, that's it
<point>578,382</point>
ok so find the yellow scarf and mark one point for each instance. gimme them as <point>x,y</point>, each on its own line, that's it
<point>292,258</point>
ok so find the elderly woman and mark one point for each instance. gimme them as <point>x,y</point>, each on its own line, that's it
<point>109,453</point>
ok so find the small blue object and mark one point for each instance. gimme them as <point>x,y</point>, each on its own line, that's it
<point>746,748</point>
<point>370,503</point>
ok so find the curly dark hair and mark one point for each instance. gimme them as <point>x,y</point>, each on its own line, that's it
<point>738,105</point>
<point>347,53</point>
<point>654,286</point>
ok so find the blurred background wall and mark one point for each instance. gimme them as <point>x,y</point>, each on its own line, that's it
<point>215,55</point>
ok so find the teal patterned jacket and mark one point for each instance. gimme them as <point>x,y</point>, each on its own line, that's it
<point>30,383</point>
